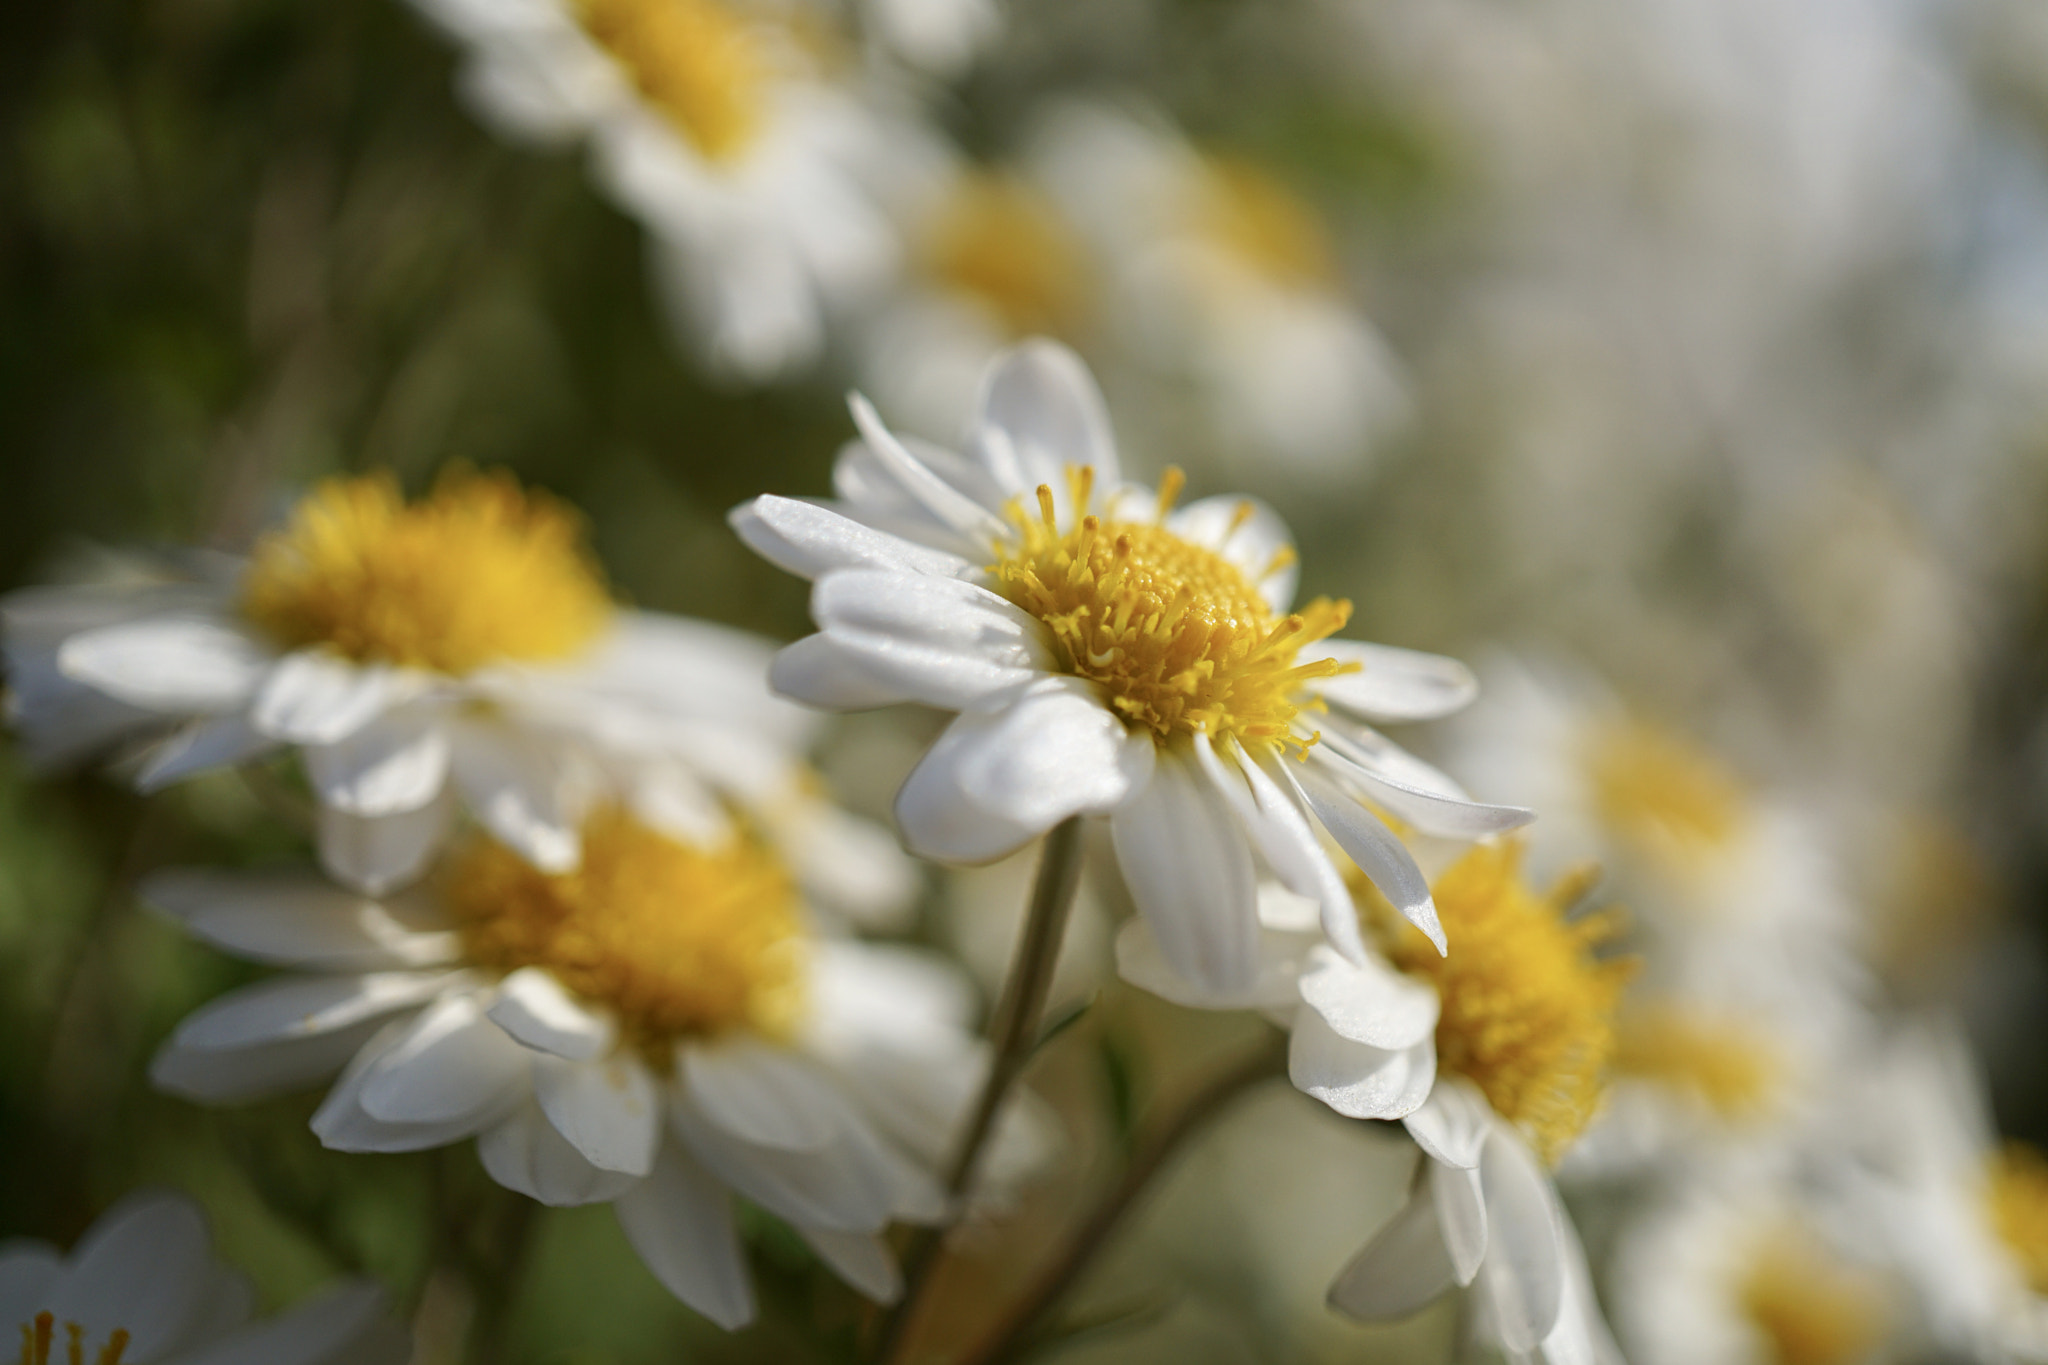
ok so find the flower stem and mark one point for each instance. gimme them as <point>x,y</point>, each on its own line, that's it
<point>1015,1330</point>
<point>1013,1033</point>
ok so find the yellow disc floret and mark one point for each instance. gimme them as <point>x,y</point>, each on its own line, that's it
<point>998,241</point>
<point>694,60</point>
<point>1805,1306</point>
<point>2017,1196</point>
<point>1259,223</point>
<point>479,572</point>
<point>39,1338</point>
<point>1176,637</point>
<point>1661,793</point>
<point>1728,1066</point>
<point>1527,1006</point>
<point>675,941</point>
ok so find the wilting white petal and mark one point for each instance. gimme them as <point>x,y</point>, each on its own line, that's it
<point>1355,1079</point>
<point>1394,684</point>
<point>679,1220</point>
<point>168,663</point>
<point>808,541</point>
<point>1461,1213</point>
<point>1368,1003</point>
<point>1400,1271</point>
<point>536,1010</point>
<point>607,1109</point>
<point>1189,868</point>
<point>941,641</point>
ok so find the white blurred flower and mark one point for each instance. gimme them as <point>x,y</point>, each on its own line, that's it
<point>1112,655</point>
<point>940,36</point>
<point>657,1030</point>
<point>463,643</point>
<point>720,125</point>
<point>1493,1057</point>
<point>142,1288</point>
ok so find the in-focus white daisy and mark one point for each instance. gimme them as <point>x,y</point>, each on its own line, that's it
<point>1112,654</point>
<point>1228,284</point>
<point>1742,1266</point>
<point>720,125</point>
<point>657,1029</point>
<point>462,643</point>
<point>1493,1057</point>
<point>142,1288</point>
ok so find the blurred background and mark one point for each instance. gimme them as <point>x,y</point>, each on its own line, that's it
<point>1692,350</point>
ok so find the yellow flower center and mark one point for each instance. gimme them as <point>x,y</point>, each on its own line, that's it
<point>998,241</point>
<point>694,60</point>
<point>1728,1066</point>
<point>1527,1006</point>
<point>479,572</point>
<point>1258,222</point>
<point>1805,1306</point>
<point>1176,637</point>
<point>2017,1195</point>
<point>675,941</point>
<point>39,1338</point>
<point>1660,793</point>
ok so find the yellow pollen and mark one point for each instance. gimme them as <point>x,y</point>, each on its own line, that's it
<point>675,941</point>
<point>1527,1006</point>
<point>1726,1065</point>
<point>478,572</point>
<point>694,60</point>
<point>1000,242</point>
<point>2016,1193</point>
<point>1661,793</point>
<point>1176,637</point>
<point>1259,222</point>
<point>38,1338</point>
<point>1805,1306</point>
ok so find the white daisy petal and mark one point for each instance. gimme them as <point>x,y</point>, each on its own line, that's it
<point>1394,684</point>
<point>214,742</point>
<point>1431,811</point>
<point>852,866</point>
<point>342,1124</point>
<point>947,505</point>
<point>840,1186</point>
<point>1039,412</point>
<point>1250,542</point>
<point>526,1154</point>
<point>518,789</point>
<point>1355,1079</point>
<point>1452,1127</point>
<point>809,541</point>
<point>301,1006</point>
<point>606,1108</point>
<point>762,1094</point>
<point>940,641</point>
<point>1189,869</point>
<point>1402,1270</point>
<point>313,697</point>
<point>28,1272</point>
<point>861,1259</point>
<point>1374,848</point>
<point>298,921</point>
<point>145,1265</point>
<point>316,1332</point>
<point>1368,1003</point>
<point>878,993</point>
<point>378,854</point>
<point>937,821</point>
<point>1281,831</point>
<point>1461,1214</point>
<point>819,671</point>
<point>395,763</point>
<point>1525,1254</point>
<point>679,1220</point>
<point>230,1301</point>
<point>536,1010</point>
<point>1139,961</point>
<point>450,1065</point>
<point>178,663</point>
<point>259,1071</point>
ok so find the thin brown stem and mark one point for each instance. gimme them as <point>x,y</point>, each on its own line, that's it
<point>1015,1331</point>
<point>1013,1033</point>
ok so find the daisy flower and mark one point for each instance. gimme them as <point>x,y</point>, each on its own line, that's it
<point>142,1288</point>
<point>657,1030</point>
<point>1110,653</point>
<point>1493,1057</point>
<point>719,125</point>
<point>463,643</point>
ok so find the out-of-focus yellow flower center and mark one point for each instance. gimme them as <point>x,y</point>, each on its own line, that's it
<point>675,941</point>
<point>1527,1006</point>
<point>1728,1066</point>
<point>1939,891</point>
<point>998,241</point>
<point>696,61</point>
<point>1174,635</point>
<point>1262,225</point>
<point>2017,1195</point>
<point>1661,793</point>
<point>39,1338</point>
<point>1805,1306</point>
<point>479,572</point>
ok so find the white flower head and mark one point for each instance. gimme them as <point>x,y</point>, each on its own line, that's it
<point>722,127</point>
<point>460,644</point>
<point>657,1030</point>
<point>1110,653</point>
<point>1494,1057</point>
<point>142,1288</point>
